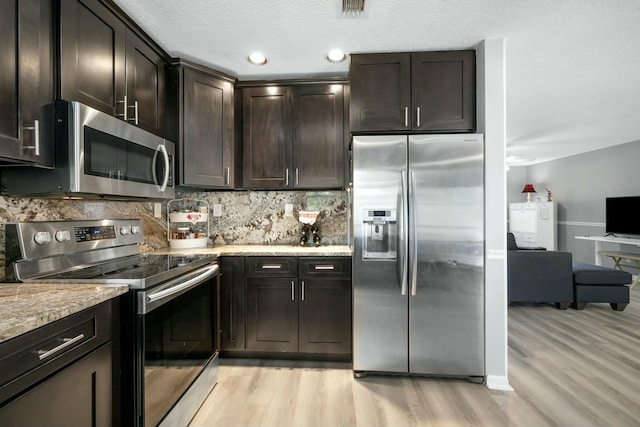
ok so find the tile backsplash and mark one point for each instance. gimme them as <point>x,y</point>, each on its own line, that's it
<point>247,217</point>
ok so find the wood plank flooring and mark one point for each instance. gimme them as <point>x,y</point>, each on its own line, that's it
<point>568,368</point>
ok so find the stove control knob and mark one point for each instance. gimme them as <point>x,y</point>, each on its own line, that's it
<point>42,237</point>
<point>63,236</point>
<point>124,231</point>
<point>135,229</point>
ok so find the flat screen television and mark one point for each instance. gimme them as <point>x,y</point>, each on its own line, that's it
<point>622,215</point>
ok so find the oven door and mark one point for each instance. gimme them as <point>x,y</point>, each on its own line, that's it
<point>178,350</point>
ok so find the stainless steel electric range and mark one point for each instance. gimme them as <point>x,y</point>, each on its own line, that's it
<point>168,362</point>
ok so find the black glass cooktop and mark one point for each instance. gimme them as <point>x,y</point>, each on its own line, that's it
<point>138,271</point>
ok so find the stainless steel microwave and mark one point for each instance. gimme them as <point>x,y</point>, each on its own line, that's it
<point>96,156</point>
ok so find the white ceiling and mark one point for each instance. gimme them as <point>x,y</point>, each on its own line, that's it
<point>573,66</point>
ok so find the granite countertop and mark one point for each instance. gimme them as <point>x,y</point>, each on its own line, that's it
<point>27,306</point>
<point>265,250</point>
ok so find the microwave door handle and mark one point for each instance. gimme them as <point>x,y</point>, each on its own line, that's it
<point>165,180</point>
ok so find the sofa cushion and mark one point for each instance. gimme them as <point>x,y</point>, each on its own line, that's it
<point>589,274</point>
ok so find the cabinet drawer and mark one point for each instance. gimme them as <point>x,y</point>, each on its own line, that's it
<point>325,267</point>
<point>31,357</point>
<point>271,266</point>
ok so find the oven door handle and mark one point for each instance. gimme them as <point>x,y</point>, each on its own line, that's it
<point>153,299</point>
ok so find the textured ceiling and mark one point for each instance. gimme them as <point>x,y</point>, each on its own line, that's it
<point>573,66</point>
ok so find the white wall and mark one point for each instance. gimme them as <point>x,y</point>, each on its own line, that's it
<point>491,106</point>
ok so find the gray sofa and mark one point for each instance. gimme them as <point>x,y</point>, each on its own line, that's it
<point>539,276</point>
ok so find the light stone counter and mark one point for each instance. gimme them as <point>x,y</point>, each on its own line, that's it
<point>27,306</point>
<point>265,250</point>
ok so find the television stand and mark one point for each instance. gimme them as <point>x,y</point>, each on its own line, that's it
<point>618,256</point>
<point>608,239</point>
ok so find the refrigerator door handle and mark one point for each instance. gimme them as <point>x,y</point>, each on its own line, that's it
<point>413,233</point>
<point>402,235</point>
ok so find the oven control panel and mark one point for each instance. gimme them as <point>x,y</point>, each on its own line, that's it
<point>100,232</point>
<point>48,238</point>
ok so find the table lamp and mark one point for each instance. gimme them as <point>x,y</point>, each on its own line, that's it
<point>528,188</point>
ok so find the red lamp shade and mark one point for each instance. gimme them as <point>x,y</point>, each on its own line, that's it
<point>528,188</point>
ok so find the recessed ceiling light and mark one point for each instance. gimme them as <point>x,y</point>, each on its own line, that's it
<point>257,58</point>
<point>336,55</point>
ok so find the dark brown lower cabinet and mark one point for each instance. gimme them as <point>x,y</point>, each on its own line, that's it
<point>78,396</point>
<point>272,314</point>
<point>232,304</point>
<point>62,374</point>
<point>308,312</point>
<point>325,316</point>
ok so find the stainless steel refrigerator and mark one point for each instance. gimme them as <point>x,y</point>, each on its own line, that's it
<point>418,256</point>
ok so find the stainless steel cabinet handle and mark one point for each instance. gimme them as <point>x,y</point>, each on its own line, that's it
<point>67,342</point>
<point>297,177</point>
<point>227,178</point>
<point>406,116</point>
<point>414,234</point>
<point>324,267</point>
<point>36,129</point>
<point>271,266</point>
<point>418,116</point>
<point>302,295</point>
<point>135,112</point>
<point>124,109</point>
<point>293,291</point>
<point>286,177</point>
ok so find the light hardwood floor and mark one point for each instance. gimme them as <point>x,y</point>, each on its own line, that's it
<point>568,368</point>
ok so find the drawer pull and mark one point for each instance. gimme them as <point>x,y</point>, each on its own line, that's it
<point>272,266</point>
<point>324,267</point>
<point>43,354</point>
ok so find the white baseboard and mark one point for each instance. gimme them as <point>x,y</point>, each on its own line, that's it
<point>498,382</point>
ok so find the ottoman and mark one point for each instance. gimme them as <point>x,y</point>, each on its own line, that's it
<point>593,283</point>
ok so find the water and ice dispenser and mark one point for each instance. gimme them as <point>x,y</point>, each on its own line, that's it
<point>380,237</point>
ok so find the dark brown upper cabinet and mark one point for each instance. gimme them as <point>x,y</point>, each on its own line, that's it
<point>106,65</point>
<point>203,125</point>
<point>293,136</point>
<point>318,136</point>
<point>266,137</point>
<point>26,79</point>
<point>413,92</point>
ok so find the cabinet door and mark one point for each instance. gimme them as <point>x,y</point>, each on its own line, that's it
<point>266,137</point>
<point>325,315</point>
<point>380,92</point>
<point>232,304</point>
<point>443,91</point>
<point>26,78</point>
<point>146,82</point>
<point>272,314</point>
<point>318,137</point>
<point>92,49</point>
<point>80,395</point>
<point>10,144</point>
<point>207,144</point>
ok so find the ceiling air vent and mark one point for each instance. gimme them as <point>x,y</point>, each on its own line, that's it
<point>352,6</point>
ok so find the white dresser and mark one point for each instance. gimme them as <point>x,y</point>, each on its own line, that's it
<point>534,224</point>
